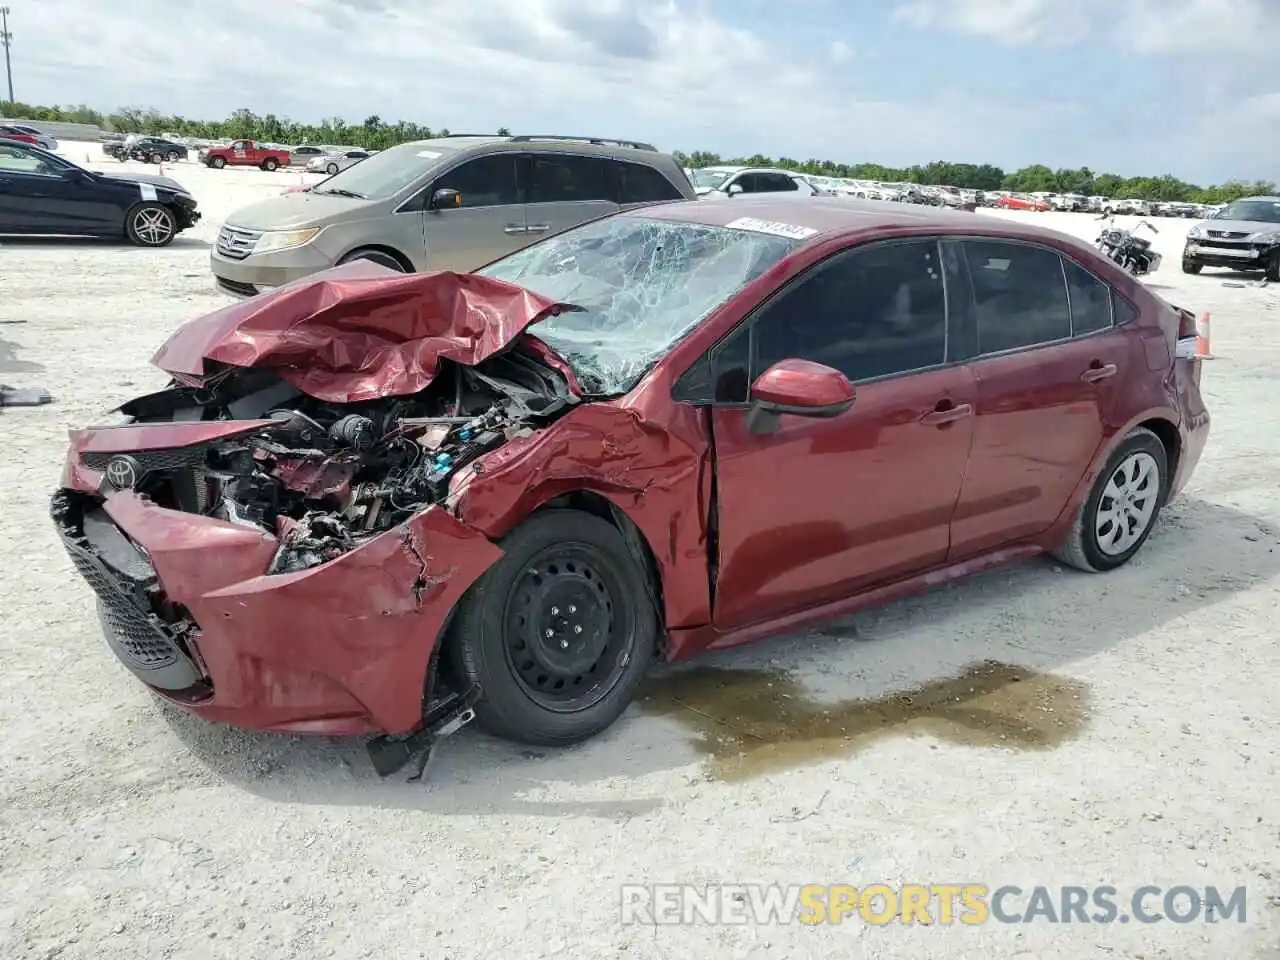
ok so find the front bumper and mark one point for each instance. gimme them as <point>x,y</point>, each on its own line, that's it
<point>259,272</point>
<point>343,648</point>
<point>1239,254</point>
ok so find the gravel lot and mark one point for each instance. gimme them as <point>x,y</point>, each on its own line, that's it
<point>1138,746</point>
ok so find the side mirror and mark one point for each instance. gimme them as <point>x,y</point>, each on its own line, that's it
<point>734,189</point>
<point>800,388</point>
<point>445,199</point>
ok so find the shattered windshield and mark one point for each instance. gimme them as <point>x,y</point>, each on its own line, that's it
<point>1256,211</point>
<point>641,284</point>
<point>709,178</point>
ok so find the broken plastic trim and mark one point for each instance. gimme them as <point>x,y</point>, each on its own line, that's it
<point>392,754</point>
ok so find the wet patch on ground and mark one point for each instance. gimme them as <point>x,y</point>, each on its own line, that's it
<point>750,722</point>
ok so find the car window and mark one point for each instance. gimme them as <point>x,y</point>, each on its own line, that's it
<point>641,184</point>
<point>1090,300</point>
<point>14,159</point>
<point>869,312</point>
<point>1020,295</point>
<point>482,182</point>
<point>775,183</point>
<point>565,179</point>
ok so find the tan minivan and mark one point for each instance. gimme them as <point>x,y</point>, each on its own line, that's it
<point>452,203</point>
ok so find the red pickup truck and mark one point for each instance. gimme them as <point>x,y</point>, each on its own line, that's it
<point>245,153</point>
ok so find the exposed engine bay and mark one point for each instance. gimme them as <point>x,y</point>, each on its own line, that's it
<point>329,476</point>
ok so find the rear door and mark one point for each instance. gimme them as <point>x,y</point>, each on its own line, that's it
<point>639,184</point>
<point>566,190</point>
<point>488,224</point>
<point>1048,361</point>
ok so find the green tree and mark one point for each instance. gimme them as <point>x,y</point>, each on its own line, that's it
<point>375,133</point>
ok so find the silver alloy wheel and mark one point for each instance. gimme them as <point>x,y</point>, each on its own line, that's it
<point>153,226</point>
<point>1127,504</point>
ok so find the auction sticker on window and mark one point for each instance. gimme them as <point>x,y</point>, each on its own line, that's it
<point>790,230</point>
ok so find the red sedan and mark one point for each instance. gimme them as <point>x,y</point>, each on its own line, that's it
<point>378,503</point>
<point>1013,201</point>
<point>8,132</point>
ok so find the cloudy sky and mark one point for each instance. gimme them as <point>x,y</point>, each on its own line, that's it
<point>1189,87</point>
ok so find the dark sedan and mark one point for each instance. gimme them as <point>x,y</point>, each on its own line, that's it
<point>41,194</point>
<point>148,150</point>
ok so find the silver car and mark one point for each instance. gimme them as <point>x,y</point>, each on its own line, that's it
<point>1244,235</point>
<point>451,203</point>
<point>336,162</point>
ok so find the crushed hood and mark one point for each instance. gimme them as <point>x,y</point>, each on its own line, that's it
<point>358,331</point>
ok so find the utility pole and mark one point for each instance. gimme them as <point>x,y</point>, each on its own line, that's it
<point>6,37</point>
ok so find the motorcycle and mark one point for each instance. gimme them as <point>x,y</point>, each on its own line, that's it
<point>1132,253</point>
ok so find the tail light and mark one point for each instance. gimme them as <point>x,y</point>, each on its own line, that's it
<point>1187,346</point>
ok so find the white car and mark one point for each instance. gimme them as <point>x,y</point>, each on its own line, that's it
<point>332,163</point>
<point>718,183</point>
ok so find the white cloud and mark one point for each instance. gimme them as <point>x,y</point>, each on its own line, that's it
<point>1009,22</point>
<point>840,52</point>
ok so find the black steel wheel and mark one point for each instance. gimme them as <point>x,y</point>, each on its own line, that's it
<point>559,633</point>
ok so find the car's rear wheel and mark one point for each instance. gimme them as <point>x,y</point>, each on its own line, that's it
<point>270,164</point>
<point>1116,518</point>
<point>331,169</point>
<point>150,225</point>
<point>559,633</point>
<point>217,163</point>
<point>1191,266</point>
<point>380,257</point>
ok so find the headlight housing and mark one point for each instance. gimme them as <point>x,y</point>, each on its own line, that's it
<point>1196,232</point>
<point>274,240</point>
<point>1266,236</point>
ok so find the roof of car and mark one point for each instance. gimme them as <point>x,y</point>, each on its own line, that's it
<point>829,215</point>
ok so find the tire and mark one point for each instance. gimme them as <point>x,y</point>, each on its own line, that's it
<point>1086,546</point>
<point>374,256</point>
<point>1192,266</point>
<point>218,163</point>
<point>331,169</point>
<point>1273,267</point>
<point>173,156</point>
<point>556,558</point>
<point>150,225</point>
<point>155,158</point>
<point>270,164</point>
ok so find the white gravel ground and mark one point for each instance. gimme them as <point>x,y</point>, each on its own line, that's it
<point>128,831</point>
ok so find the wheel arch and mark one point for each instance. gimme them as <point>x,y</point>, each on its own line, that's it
<point>1163,422</point>
<point>382,248</point>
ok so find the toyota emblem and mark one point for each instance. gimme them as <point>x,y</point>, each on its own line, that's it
<point>122,472</point>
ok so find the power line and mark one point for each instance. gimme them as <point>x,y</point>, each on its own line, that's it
<point>6,38</point>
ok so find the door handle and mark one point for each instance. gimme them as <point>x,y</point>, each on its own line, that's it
<point>943,415</point>
<point>537,228</point>
<point>1094,374</point>
<point>515,228</point>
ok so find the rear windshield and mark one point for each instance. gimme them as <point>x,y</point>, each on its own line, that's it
<point>386,173</point>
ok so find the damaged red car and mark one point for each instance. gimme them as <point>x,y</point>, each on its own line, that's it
<point>383,504</point>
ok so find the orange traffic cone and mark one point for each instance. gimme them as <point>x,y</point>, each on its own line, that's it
<point>1202,338</point>
<point>162,169</point>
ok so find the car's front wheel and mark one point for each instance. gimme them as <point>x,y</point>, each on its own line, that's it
<point>150,225</point>
<point>1191,266</point>
<point>217,163</point>
<point>559,633</point>
<point>1115,519</point>
<point>1273,267</point>
<point>173,156</point>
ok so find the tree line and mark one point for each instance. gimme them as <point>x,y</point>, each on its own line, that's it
<point>376,134</point>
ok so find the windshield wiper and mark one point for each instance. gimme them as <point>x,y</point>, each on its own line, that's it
<point>331,192</point>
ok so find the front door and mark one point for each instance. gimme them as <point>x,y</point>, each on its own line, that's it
<point>1048,361</point>
<point>821,509</point>
<point>488,224</point>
